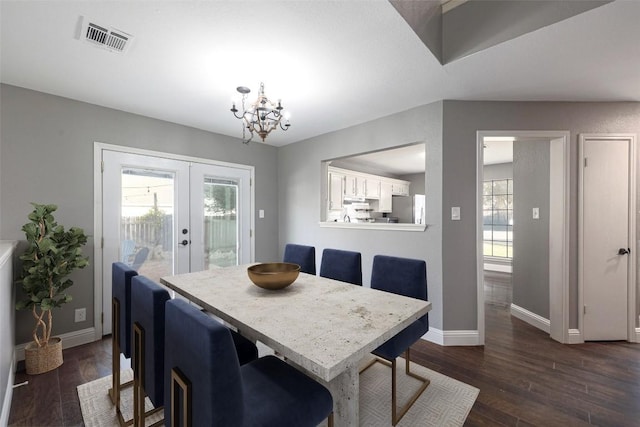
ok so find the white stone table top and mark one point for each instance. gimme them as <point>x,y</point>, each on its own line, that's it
<point>322,325</point>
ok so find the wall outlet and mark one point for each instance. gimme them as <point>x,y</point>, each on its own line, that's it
<point>81,315</point>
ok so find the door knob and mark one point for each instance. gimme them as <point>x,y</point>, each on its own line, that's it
<point>184,242</point>
<point>623,251</point>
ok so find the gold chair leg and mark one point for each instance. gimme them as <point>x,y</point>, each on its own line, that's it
<point>412,400</point>
<point>398,413</point>
<point>180,406</point>
<point>116,387</point>
<point>139,395</point>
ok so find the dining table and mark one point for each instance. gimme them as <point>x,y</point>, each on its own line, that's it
<point>321,326</point>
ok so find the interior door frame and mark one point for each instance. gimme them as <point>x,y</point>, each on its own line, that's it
<point>632,332</point>
<point>559,226</point>
<point>98,147</point>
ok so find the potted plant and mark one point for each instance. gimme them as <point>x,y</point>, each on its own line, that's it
<point>51,256</point>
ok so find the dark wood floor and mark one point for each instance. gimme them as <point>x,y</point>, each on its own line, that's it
<point>524,377</point>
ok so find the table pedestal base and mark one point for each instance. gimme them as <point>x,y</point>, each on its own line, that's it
<point>345,389</point>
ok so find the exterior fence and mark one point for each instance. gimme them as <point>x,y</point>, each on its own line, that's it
<point>220,232</point>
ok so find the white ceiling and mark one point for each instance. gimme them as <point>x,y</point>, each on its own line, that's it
<point>397,161</point>
<point>333,63</point>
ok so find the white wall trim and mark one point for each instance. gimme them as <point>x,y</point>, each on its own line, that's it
<point>6,405</point>
<point>434,335</point>
<point>559,226</point>
<point>70,339</point>
<point>452,338</point>
<point>531,318</point>
<point>637,335</point>
<point>575,337</point>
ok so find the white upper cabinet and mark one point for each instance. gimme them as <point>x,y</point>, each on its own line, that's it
<point>385,204</point>
<point>400,189</point>
<point>336,190</point>
<point>372,188</point>
<point>358,185</point>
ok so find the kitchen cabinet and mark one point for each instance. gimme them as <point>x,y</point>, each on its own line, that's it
<point>400,189</point>
<point>354,186</point>
<point>372,188</point>
<point>336,190</point>
<point>385,203</point>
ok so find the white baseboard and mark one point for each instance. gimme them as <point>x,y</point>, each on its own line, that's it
<point>533,319</point>
<point>434,335</point>
<point>575,337</point>
<point>6,404</point>
<point>452,338</point>
<point>70,339</point>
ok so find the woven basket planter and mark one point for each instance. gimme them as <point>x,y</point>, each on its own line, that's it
<point>39,360</point>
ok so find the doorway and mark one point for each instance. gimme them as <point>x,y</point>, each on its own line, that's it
<point>558,324</point>
<point>164,214</point>
<point>606,217</point>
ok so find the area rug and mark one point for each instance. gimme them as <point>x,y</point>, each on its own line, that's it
<point>446,402</point>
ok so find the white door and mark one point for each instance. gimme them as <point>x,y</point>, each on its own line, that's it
<point>164,216</point>
<point>220,216</point>
<point>605,236</point>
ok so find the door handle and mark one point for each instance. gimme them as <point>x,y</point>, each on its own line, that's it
<point>184,242</point>
<point>623,251</point>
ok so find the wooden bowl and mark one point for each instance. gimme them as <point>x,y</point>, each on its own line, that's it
<point>273,275</point>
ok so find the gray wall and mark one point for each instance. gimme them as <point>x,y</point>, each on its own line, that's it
<point>299,183</point>
<point>47,156</point>
<point>47,152</point>
<point>531,236</point>
<point>498,171</point>
<point>462,119</point>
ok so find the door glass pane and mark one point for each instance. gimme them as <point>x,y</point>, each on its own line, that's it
<point>146,221</point>
<point>221,228</point>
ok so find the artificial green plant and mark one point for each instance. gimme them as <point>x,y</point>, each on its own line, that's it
<point>51,256</point>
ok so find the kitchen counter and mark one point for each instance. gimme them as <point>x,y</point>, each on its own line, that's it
<point>374,226</point>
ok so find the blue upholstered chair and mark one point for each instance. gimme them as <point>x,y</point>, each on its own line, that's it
<point>304,256</point>
<point>207,386</point>
<point>147,316</point>
<point>406,277</point>
<point>345,266</point>
<point>121,275</point>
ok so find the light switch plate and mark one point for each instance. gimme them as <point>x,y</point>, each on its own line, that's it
<point>455,213</point>
<point>261,213</point>
<point>536,213</point>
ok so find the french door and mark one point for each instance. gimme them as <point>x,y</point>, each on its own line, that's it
<point>165,216</point>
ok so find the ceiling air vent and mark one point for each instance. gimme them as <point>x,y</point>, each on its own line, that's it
<point>106,37</point>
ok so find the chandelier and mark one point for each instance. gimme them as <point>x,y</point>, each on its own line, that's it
<point>261,117</point>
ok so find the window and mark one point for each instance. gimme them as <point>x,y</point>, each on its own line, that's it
<point>497,207</point>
